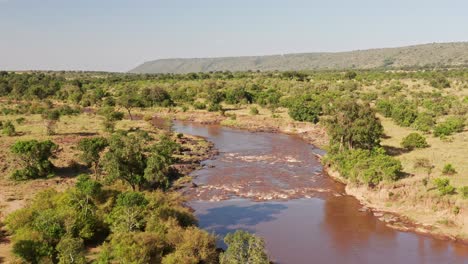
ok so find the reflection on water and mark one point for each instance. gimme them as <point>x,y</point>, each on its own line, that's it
<point>328,228</point>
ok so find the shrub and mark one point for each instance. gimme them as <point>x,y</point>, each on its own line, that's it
<point>366,166</point>
<point>463,191</point>
<point>8,129</point>
<point>20,120</point>
<point>35,158</point>
<point>254,110</point>
<point>199,105</point>
<point>243,247</point>
<point>449,126</point>
<point>449,169</point>
<point>414,140</point>
<point>443,186</point>
<point>214,107</point>
<point>305,109</point>
<point>385,107</point>
<point>424,122</point>
<point>404,113</point>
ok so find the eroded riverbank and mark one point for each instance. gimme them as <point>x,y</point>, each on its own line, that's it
<point>295,230</point>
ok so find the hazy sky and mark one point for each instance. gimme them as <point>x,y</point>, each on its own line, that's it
<point>117,35</point>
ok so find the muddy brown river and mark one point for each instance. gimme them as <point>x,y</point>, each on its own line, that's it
<point>273,185</point>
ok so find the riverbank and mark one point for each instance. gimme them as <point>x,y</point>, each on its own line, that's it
<point>405,205</point>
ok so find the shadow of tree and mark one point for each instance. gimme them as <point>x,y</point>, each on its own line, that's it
<point>72,170</point>
<point>395,151</point>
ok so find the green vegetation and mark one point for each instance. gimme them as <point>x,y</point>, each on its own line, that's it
<point>449,169</point>
<point>244,248</point>
<point>8,128</point>
<point>443,186</point>
<point>91,149</point>
<point>414,140</point>
<point>34,156</point>
<point>449,126</point>
<point>104,121</point>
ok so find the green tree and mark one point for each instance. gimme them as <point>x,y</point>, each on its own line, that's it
<point>128,214</point>
<point>352,125</point>
<point>34,156</point>
<point>244,247</point>
<point>71,251</point>
<point>129,99</point>
<point>306,109</point>
<point>91,149</point>
<point>126,160</point>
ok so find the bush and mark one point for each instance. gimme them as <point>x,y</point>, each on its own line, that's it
<point>424,122</point>
<point>404,113</point>
<point>443,186</point>
<point>199,105</point>
<point>243,247</point>
<point>214,107</point>
<point>414,140</point>
<point>463,191</point>
<point>35,158</point>
<point>366,166</point>
<point>385,107</point>
<point>449,169</point>
<point>8,129</point>
<point>450,126</point>
<point>254,110</point>
<point>305,108</point>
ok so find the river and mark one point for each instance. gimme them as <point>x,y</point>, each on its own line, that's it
<point>273,185</point>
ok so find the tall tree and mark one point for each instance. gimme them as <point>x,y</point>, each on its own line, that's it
<point>353,125</point>
<point>91,152</point>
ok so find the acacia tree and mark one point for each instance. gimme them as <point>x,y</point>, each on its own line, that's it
<point>354,125</point>
<point>129,99</point>
<point>91,152</point>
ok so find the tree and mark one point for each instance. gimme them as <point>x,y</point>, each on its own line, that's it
<point>51,117</point>
<point>128,214</point>
<point>34,156</point>
<point>125,159</point>
<point>159,161</point>
<point>91,152</point>
<point>244,247</point>
<point>352,125</point>
<point>414,140</point>
<point>71,251</point>
<point>306,108</point>
<point>129,99</point>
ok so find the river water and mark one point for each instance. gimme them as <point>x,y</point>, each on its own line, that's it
<point>273,185</point>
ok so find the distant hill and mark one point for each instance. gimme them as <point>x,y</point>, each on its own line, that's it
<point>436,54</point>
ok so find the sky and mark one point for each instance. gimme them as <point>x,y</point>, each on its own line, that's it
<point>118,35</point>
